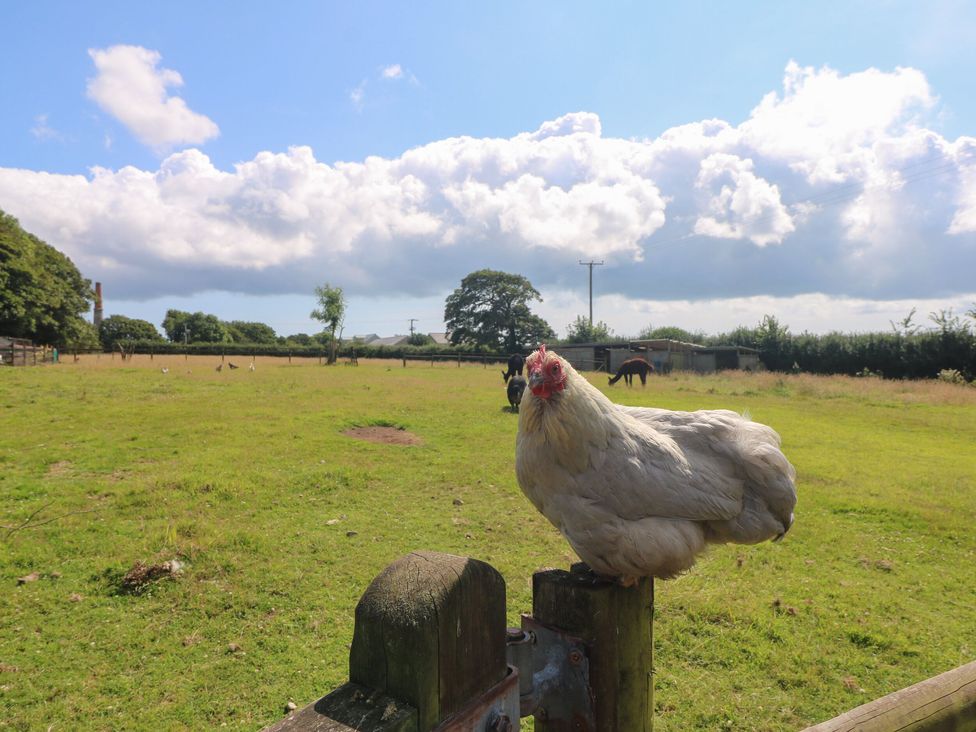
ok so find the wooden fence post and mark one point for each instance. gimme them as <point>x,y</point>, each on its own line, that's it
<point>615,624</point>
<point>428,651</point>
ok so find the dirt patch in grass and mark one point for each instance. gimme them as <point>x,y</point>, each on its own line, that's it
<point>384,435</point>
<point>59,468</point>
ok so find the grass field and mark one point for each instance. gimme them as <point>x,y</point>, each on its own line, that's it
<point>281,521</point>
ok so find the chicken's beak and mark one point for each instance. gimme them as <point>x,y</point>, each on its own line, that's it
<point>536,380</point>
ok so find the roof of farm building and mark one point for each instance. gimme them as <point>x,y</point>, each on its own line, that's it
<point>659,344</point>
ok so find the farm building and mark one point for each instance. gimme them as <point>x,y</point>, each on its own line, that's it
<point>665,355</point>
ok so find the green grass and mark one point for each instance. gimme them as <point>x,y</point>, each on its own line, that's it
<point>238,474</point>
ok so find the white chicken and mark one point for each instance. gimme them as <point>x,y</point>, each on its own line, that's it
<point>640,492</point>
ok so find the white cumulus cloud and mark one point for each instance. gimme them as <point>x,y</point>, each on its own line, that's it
<point>130,86</point>
<point>742,205</point>
<point>833,185</point>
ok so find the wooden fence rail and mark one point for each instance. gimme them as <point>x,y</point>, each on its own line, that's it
<point>943,703</point>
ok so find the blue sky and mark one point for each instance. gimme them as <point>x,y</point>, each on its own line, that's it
<point>726,160</point>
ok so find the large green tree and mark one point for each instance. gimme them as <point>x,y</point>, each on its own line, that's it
<point>331,311</point>
<point>248,332</point>
<point>183,327</point>
<point>42,293</point>
<point>119,329</point>
<point>491,309</point>
<point>582,331</point>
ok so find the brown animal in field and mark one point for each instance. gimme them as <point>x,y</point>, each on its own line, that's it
<point>516,362</point>
<point>630,367</point>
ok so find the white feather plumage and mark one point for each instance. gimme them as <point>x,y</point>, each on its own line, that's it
<point>640,492</point>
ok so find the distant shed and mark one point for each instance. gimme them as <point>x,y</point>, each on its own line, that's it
<point>667,355</point>
<point>663,354</point>
<point>586,356</point>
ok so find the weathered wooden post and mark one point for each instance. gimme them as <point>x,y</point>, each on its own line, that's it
<point>614,624</point>
<point>428,653</point>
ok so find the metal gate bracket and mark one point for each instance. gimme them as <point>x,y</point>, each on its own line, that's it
<point>554,675</point>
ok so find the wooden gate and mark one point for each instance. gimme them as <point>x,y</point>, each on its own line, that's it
<point>431,651</point>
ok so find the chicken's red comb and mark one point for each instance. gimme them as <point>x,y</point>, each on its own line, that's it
<point>542,351</point>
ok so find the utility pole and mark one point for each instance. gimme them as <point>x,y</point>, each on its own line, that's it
<point>591,264</point>
<point>412,321</point>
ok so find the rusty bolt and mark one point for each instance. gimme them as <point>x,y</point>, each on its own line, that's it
<point>575,658</point>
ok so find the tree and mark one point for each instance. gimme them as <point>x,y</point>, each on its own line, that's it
<point>490,309</point>
<point>241,331</point>
<point>183,327</point>
<point>331,311</point>
<point>174,325</point>
<point>905,326</point>
<point>419,339</point>
<point>42,293</point>
<point>118,328</point>
<point>581,331</point>
<point>774,344</point>
<point>670,332</point>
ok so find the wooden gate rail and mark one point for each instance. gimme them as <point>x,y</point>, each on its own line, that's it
<point>943,703</point>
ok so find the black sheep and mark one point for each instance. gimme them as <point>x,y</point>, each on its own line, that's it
<point>516,386</point>
<point>516,363</point>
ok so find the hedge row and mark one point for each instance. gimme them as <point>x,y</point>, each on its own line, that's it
<point>891,355</point>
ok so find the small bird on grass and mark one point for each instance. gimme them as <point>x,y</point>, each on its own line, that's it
<point>640,492</point>
<point>220,367</point>
<point>165,370</point>
<point>232,365</point>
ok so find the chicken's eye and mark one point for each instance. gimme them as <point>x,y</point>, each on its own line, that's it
<point>554,368</point>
